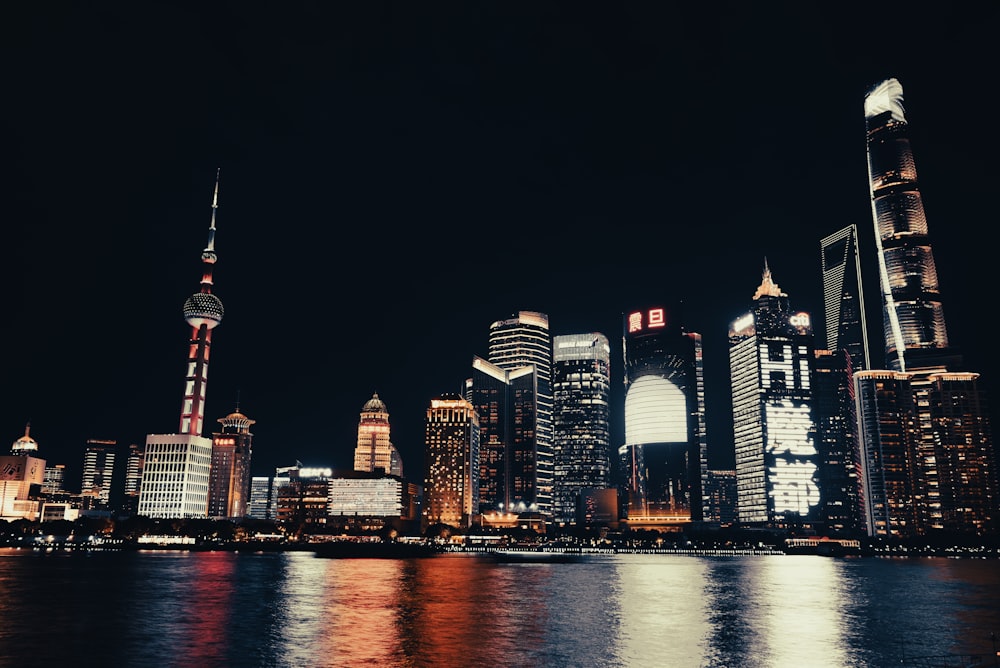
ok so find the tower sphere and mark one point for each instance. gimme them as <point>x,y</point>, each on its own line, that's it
<point>203,308</point>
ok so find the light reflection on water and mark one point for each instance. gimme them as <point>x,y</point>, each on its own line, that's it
<point>609,611</point>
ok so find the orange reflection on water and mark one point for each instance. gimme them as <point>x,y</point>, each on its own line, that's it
<point>450,610</point>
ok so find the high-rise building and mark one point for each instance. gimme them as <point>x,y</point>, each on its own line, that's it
<point>451,483</point>
<point>843,296</point>
<point>133,479</point>
<point>720,497</point>
<point>260,497</point>
<point>54,479</point>
<point>664,459</point>
<point>514,343</point>
<point>229,478</point>
<point>928,458</point>
<point>913,317</point>
<point>375,449</point>
<point>846,352</point>
<point>511,393</point>
<point>581,437</point>
<point>98,471</point>
<point>770,361</point>
<point>19,472</point>
<point>175,476</point>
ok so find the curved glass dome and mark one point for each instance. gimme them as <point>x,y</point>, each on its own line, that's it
<point>655,412</point>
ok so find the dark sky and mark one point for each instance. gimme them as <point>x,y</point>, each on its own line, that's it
<point>397,176</point>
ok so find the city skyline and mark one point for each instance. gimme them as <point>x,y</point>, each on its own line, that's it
<point>383,200</point>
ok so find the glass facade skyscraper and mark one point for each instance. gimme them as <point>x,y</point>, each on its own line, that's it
<point>770,361</point>
<point>928,456</point>
<point>581,392</point>
<point>913,316</point>
<point>664,458</point>
<point>514,343</point>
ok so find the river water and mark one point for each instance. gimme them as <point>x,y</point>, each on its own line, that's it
<point>292,609</point>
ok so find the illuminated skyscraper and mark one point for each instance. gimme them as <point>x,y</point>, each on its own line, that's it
<point>514,343</point>
<point>845,354</point>
<point>913,317</point>
<point>512,396</point>
<point>770,358</point>
<point>374,449</point>
<point>451,485</point>
<point>581,392</point>
<point>664,458</point>
<point>843,296</point>
<point>927,450</point>
<point>176,473</point>
<point>133,479</point>
<point>229,479</point>
<point>98,470</point>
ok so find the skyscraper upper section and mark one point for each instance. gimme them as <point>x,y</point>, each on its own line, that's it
<point>913,317</point>
<point>581,387</point>
<point>664,457</point>
<point>375,449</point>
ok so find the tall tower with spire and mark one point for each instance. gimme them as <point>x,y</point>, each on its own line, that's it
<point>232,450</point>
<point>175,479</point>
<point>770,358</point>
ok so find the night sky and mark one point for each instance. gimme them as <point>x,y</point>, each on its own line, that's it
<point>397,176</point>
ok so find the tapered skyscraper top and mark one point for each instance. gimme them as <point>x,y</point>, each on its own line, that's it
<point>914,325</point>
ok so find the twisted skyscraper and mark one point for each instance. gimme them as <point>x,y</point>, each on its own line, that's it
<point>926,449</point>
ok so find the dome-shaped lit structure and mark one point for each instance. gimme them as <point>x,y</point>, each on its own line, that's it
<point>236,422</point>
<point>25,444</point>
<point>374,405</point>
<point>203,308</point>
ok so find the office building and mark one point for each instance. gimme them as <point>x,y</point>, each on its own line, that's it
<point>770,361</point>
<point>581,438</point>
<point>54,479</point>
<point>927,450</point>
<point>913,316</point>
<point>98,472</point>
<point>451,482</point>
<point>133,479</point>
<point>375,449</point>
<point>511,393</point>
<point>175,475</point>
<point>20,472</point>
<point>229,478</point>
<point>258,507</point>
<point>720,497</point>
<point>664,459</point>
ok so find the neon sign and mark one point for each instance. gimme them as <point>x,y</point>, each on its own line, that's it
<point>655,318</point>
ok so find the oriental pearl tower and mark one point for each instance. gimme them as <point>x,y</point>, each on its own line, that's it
<point>203,311</point>
<point>175,476</point>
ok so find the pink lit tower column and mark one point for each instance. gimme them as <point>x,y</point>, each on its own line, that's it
<point>175,478</point>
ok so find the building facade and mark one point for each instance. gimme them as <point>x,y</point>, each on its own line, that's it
<point>22,472</point>
<point>929,458</point>
<point>175,476</point>
<point>777,462</point>
<point>375,449</point>
<point>98,471</point>
<point>913,315</point>
<point>229,478</point>
<point>451,482</point>
<point>664,459</point>
<point>581,436</point>
<point>511,393</point>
